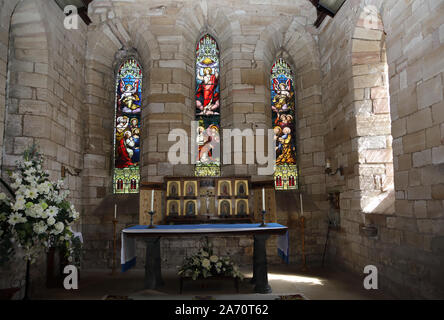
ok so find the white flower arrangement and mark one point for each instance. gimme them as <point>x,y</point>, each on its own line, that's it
<point>40,216</point>
<point>205,264</point>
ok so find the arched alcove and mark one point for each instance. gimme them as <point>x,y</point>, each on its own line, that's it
<point>27,115</point>
<point>372,139</point>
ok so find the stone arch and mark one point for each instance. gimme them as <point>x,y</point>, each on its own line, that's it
<point>7,9</point>
<point>196,21</point>
<point>292,40</point>
<point>110,43</point>
<point>27,109</point>
<point>372,139</point>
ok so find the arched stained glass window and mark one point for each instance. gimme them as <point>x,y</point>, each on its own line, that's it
<point>208,107</point>
<point>128,109</point>
<point>284,118</point>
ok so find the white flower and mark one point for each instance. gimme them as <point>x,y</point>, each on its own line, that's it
<point>16,184</point>
<point>51,221</point>
<point>19,204</point>
<point>28,163</point>
<point>3,196</point>
<point>75,215</point>
<point>43,188</point>
<point>43,213</point>
<point>206,263</point>
<point>59,184</point>
<point>40,227</point>
<point>30,171</point>
<point>30,212</point>
<point>15,218</point>
<point>31,193</point>
<point>59,226</point>
<point>15,176</point>
<point>52,211</point>
<point>214,259</point>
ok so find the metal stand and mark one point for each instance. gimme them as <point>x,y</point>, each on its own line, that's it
<point>151,226</point>
<point>304,266</point>
<point>326,243</point>
<point>263,219</point>
<point>27,280</point>
<point>113,272</point>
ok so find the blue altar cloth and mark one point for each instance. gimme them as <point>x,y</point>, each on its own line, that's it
<point>128,251</point>
<point>199,227</point>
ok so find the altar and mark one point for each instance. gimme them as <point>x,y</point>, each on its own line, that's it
<point>193,206</point>
<point>152,236</point>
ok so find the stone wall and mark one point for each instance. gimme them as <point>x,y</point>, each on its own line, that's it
<point>408,249</point>
<point>44,92</point>
<point>57,89</point>
<point>6,9</point>
<point>163,38</point>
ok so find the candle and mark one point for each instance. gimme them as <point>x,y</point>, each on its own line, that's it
<point>263,199</point>
<point>302,207</point>
<point>152,200</point>
<point>115,211</point>
<point>328,165</point>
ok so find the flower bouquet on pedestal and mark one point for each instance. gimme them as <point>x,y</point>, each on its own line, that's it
<point>205,264</point>
<point>39,217</point>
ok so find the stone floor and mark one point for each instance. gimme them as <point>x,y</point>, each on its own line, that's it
<point>315,284</point>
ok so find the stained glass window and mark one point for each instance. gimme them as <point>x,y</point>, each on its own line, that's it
<point>284,115</point>
<point>207,107</point>
<point>127,127</point>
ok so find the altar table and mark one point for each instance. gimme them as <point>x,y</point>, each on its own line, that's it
<point>153,275</point>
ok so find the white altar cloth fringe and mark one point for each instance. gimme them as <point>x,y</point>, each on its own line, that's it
<point>128,252</point>
<point>283,247</point>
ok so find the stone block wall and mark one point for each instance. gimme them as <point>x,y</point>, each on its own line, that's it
<point>163,39</point>
<point>45,91</point>
<point>42,91</point>
<point>6,9</point>
<point>369,86</point>
<point>407,249</point>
